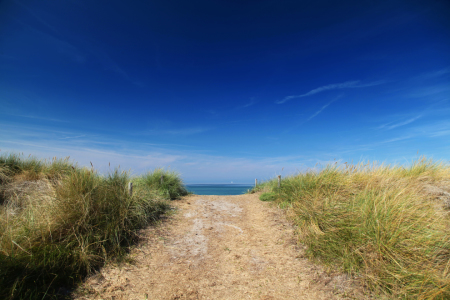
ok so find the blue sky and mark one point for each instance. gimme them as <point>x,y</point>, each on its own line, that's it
<point>225,91</point>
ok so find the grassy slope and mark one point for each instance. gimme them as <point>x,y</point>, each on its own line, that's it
<point>389,225</point>
<point>58,222</point>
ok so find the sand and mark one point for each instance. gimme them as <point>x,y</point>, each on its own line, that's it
<point>220,247</point>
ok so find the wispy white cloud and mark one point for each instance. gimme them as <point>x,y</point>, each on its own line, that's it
<point>435,129</point>
<point>80,52</point>
<point>392,140</point>
<point>335,86</point>
<point>179,131</point>
<point>322,108</point>
<point>33,130</point>
<point>137,160</point>
<point>68,49</point>
<point>441,133</point>
<point>37,118</point>
<point>434,74</point>
<point>355,148</point>
<point>251,103</point>
<point>347,84</point>
<point>369,84</point>
<point>114,67</point>
<point>108,63</point>
<point>193,165</point>
<point>392,125</point>
<point>430,91</point>
<point>59,44</point>
<point>72,137</point>
<point>37,17</point>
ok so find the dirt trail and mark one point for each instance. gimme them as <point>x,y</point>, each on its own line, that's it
<point>219,247</point>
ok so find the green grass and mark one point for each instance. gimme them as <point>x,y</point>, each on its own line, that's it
<point>60,222</point>
<point>168,183</point>
<point>268,196</point>
<point>389,225</point>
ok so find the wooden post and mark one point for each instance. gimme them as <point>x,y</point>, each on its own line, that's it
<point>279,181</point>
<point>162,179</point>
<point>130,188</point>
<point>256,182</point>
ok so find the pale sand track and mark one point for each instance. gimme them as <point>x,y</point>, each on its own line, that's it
<point>219,247</point>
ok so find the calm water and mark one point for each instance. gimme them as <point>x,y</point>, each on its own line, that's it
<point>218,189</point>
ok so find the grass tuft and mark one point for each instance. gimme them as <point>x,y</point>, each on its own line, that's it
<point>168,183</point>
<point>268,197</point>
<point>59,222</point>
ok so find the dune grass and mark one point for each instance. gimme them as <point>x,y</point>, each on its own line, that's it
<point>168,183</point>
<point>59,222</point>
<point>389,225</point>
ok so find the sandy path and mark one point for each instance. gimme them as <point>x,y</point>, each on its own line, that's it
<point>219,247</point>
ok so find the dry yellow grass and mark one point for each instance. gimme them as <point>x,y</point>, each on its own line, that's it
<point>389,224</point>
<point>58,222</point>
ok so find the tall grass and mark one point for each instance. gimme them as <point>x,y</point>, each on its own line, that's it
<point>168,183</point>
<point>385,223</point>
<point>59,222</point>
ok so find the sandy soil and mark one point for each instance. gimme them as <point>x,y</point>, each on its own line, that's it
<point>219,247</point>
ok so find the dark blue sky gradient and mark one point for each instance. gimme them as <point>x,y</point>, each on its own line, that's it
<point>225,90</point>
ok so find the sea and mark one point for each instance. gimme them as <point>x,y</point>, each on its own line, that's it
<point>218,189</point>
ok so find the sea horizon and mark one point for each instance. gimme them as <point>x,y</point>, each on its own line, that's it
<point>222,189</point>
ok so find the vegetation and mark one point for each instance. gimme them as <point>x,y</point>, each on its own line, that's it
<point>59,222</point>
<point>270,196</point>
<point>168,183</point>
<point>387,224</point>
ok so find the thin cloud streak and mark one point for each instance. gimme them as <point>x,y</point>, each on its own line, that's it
<point>432,90</point>
<point>434,74</point>
<point>38,118</point>
<point>441,133</point>
<point>323,107</point>
<point>182,131</point>
<point>76,138</point>
<point>38,18</point>
<point>335,86</point>
<point>72,137</point>
<point>388,126</point>
<point>114,67</point>
<point>371,146</point>
<point>60,45</point>
<point>251,103</point>
<point>433,130</point>
<point>109,64</point>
